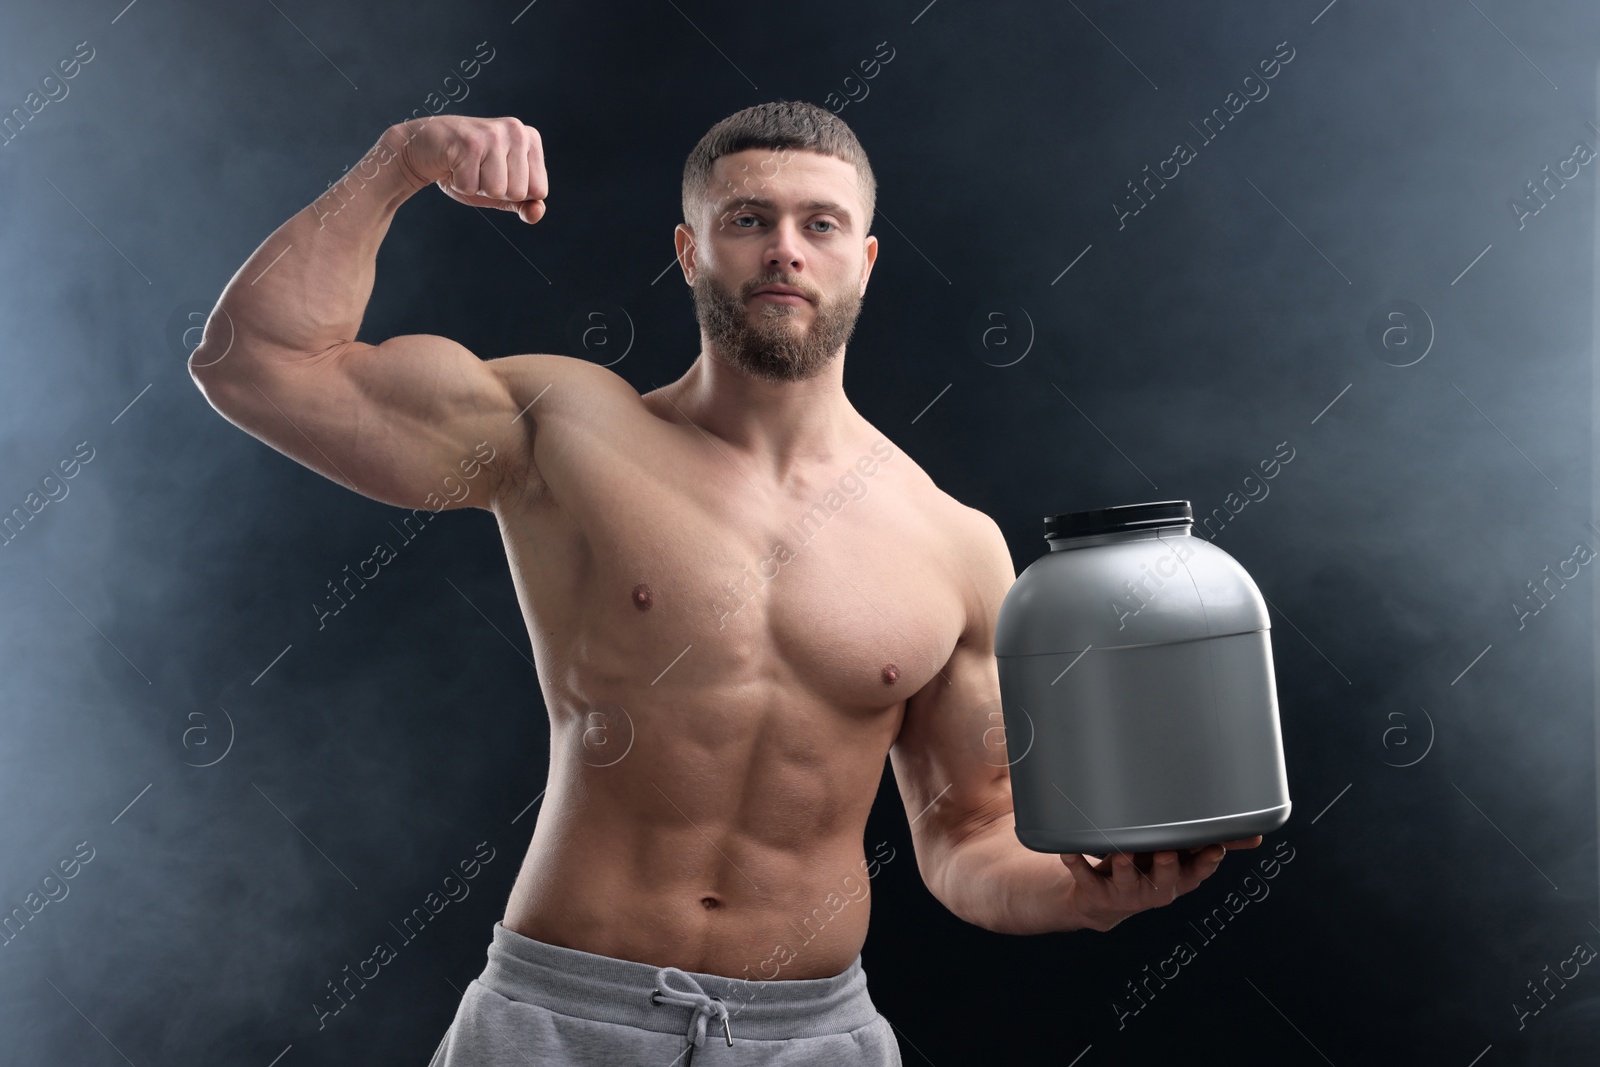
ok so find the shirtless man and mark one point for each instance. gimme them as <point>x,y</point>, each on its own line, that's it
<point>740,596</point>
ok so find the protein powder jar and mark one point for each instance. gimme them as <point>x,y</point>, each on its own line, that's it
<point>1137,689</point>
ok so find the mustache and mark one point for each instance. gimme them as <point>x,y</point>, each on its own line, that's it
<point>778,279</point>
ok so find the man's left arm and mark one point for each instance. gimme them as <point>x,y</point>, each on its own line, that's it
<point>950,763</point>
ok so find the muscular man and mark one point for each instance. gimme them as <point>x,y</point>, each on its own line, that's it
<point>741,596</point>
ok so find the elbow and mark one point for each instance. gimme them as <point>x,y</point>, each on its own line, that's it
<point>199,360</point>
<point>207,359</point>
<point>977,917</point>
<point>223,382</point>
<point>216,341</point>
<point>945,882</point>
<point>203,372</point>
<point>970,919</point>
<point>206,362</point>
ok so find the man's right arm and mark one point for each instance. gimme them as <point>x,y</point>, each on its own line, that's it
<point>392,421</point>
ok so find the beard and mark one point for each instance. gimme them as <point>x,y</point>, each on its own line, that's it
<point>775,347</point>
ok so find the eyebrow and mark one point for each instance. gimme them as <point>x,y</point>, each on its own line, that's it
<point>764,202</point>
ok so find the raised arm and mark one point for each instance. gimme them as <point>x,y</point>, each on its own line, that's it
<point>405,420</point>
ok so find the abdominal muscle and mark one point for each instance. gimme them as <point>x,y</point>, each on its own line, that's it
<point>726,859</point>
<point>711,774</point>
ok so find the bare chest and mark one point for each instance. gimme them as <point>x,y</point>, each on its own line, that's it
<point>690,576</point>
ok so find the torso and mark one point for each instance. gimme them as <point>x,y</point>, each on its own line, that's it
<point>724,682</point>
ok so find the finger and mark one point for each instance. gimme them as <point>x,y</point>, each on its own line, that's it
<point>517,168</point>
<point>1082,867</point>
<point>532,208</point>
<point>476,200</point>
<point>1165,873</point>
<point>538,179</point>
<point>1124,875</point>
<point>493,170</point>
<point>1143,863</point>
<point>1200,867</point>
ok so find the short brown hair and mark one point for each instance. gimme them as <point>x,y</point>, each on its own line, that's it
<point>781,124</point>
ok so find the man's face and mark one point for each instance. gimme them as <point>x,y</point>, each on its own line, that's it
<point>806,234</point>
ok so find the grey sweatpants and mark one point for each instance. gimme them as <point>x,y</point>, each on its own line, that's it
<point>550,1006</point>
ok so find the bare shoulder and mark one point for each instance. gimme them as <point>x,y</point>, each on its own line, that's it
<point>556,396</point>
<point>972,541</point>
<point>972,532</point>
<point>986,562</point>
<point>918,487</point>
<point>540,382</point>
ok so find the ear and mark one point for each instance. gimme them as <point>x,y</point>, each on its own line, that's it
<point>683,240</point>
<point>871,258</point>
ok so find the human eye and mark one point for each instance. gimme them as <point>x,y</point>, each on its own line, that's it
<point>827,222</point>
<point>734,222</point>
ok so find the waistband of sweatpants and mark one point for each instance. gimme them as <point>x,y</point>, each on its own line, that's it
<point>589,986</point>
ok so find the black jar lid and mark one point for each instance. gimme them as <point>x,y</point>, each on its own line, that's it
<point>1112,520</point>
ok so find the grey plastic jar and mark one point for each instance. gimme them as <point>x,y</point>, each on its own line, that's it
<point>1137,690</point>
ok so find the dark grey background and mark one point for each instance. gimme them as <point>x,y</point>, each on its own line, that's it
<point>1178,351</point>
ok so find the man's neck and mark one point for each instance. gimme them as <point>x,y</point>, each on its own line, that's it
<point>779,425</point>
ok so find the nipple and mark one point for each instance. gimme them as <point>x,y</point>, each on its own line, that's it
<point>890,673</point>
<point>641,596</point>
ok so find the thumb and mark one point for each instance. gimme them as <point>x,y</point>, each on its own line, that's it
<point>531,211</point>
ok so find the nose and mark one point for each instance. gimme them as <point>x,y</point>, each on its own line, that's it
<point>785,249</point>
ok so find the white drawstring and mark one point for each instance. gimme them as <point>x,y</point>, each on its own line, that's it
<point>704,1006</point>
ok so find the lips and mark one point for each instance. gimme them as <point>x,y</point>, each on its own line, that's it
<point>781,290</point>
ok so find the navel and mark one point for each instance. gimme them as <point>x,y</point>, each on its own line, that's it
<point>890,673</point>
<point>642,597</point>
<point>709,903</point>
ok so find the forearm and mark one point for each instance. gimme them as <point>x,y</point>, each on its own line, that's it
<point>305,289</point>
<point>994,881</point>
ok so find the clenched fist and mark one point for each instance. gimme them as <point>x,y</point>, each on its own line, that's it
<point>496,163</point>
